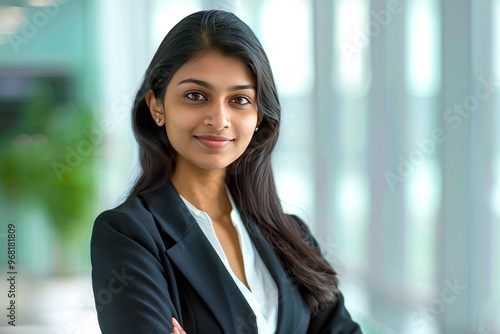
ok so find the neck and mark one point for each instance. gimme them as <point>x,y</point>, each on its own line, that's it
<point>204,188</point>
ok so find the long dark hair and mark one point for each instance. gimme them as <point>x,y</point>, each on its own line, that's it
<point>250,178</point>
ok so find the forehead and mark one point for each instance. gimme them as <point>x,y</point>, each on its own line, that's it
<point>215,68</point>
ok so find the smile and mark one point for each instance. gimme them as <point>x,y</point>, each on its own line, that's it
<point>214,142</point>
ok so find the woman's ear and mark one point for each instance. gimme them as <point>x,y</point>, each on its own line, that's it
<point>155,108</point>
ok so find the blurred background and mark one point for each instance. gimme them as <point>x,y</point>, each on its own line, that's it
<point>389,149</point>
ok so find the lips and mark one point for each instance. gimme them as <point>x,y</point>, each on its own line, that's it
<point>214,142</point>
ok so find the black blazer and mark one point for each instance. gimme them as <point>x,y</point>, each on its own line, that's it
<point>151,262</point>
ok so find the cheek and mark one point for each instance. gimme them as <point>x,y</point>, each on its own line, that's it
<point>180,123</point>
<point>247,126</point>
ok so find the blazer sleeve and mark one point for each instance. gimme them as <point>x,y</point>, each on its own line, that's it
<point>334,318</point>
<point>130,290</point>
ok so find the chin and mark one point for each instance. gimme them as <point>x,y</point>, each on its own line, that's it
<point>212,165</point>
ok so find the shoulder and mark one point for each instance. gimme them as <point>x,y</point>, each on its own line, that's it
<point>303,230</point>
<point>131,220</point>
<point>299,223</point>
<point>127,215</point>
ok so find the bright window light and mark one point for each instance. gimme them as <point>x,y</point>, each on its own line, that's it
<point>287,40</point>
<point>422,203</point>
<point>167,14</point>
<point>351,45</point>
<point>352,198</point>
<point>423,41</point>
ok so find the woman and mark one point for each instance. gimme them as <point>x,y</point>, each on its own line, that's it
<point>202,245</point>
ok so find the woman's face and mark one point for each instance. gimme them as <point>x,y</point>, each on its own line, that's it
<point>210,111</point>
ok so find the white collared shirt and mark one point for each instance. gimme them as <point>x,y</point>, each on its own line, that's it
<point>263,297</point>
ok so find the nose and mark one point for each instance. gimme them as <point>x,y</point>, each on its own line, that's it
<point>218,116</point>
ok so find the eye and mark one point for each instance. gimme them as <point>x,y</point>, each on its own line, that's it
<point>241,100</point>
<point>195,97</point>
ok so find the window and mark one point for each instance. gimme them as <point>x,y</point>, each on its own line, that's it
<point>422,189</point>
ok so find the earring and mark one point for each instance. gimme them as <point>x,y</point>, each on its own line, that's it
<point>158,120</point>
<point>257,128</point>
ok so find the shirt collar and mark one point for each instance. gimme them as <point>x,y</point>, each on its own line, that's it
<point>203,217</point>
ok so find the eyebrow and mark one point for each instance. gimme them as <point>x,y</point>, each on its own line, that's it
<point>211,87</point>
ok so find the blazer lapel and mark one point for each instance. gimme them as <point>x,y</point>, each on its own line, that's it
<point>195,257</point>
<point>292,311</point>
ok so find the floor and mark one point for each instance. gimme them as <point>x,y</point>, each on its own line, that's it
<point>52,305</point>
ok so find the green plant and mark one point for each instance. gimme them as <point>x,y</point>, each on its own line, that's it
<point>42,138</point>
